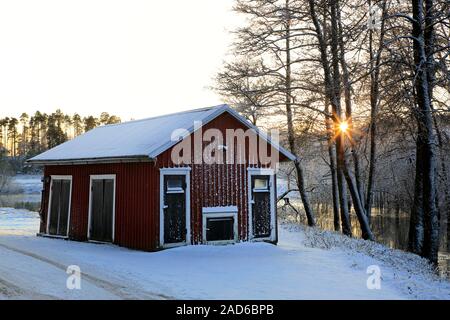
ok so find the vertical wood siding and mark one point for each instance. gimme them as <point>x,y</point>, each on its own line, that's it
<point>138,190</point>
<point>218,185</point>
<point>136,212</point>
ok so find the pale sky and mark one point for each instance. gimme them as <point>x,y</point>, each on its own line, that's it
<point>133,58</point>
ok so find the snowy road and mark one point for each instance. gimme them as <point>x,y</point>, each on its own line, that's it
<point>35,268</point>
<point>37,277</point>
<point>25,279</point>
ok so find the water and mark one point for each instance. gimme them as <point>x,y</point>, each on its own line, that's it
<point>24,192</point>
<point>390,228</point>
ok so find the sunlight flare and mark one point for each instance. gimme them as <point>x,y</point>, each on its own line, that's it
<point>343,126</point>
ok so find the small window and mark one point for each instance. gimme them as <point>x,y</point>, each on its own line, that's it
<point>175,184</point>
<point>220,229</point>
<point>261,184</point>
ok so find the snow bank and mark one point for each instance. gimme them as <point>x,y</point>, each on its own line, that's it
<point>413,275</point>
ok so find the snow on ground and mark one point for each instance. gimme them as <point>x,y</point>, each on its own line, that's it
<point>412,275</point>
<point>305,265</point>
<point>18,222</point>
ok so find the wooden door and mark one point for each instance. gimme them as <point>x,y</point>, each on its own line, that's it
<point>59,207</point>
<point>174,206</point>
<point>261,206</point>
<point>102,210</point>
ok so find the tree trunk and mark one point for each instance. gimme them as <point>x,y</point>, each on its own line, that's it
<point>358,206</point>
<point>337,112</point>
<point>416,227</point>
<point>348,102</point>
<point>332,155</point>
<point>334,179</point>
<point>429,49</point>
<point>342,188</point>
<point>342,160</point>
<point>291,133</point>
<point>444,178</point>
<point>375,64</point>
<point>330,90</point>
<point>425,137</point>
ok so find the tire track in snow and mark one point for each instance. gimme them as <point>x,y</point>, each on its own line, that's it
<point>11,291</point>
<point>121,291</point>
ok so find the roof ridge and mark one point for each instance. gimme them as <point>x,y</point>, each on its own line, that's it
<point>166,115</point>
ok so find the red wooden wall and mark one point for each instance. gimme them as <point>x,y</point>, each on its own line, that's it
<point>137,202</point>
<point>137,194</point>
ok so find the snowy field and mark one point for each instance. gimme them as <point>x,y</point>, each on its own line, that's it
<point>305,265</point>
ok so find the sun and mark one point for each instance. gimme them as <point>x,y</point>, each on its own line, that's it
<point>343,126</point>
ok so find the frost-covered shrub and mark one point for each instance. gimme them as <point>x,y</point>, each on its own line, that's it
<point>412,275</point>
<point>316,238</point>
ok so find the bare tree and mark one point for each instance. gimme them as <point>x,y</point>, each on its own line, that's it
<point>271,39</point>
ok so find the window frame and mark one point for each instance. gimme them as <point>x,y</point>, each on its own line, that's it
<point>220,212</point>
<point>179,189</point>
<point>266,187</point>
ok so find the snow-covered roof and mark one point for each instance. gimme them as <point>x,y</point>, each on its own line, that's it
<point>139,139</point>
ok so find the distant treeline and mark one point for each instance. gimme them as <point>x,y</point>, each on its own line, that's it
<point>26,136</point>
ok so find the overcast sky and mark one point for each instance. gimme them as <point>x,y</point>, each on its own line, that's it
<point>133,58</point>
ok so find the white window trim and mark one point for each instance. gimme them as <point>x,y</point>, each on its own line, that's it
<point>186,171</point>
<point>220,209</point>
<point>102,177</point>
<point>262,172</point>
<point>220,212</point>
<point>58,177</point>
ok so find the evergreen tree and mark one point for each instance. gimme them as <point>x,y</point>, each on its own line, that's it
<point>77,124</point>
<point>23,144</point>
<point>12,135</point>
<point>89,123</point>
<point>55,134</point>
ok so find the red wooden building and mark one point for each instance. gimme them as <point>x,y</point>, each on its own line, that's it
<point>193,177</point>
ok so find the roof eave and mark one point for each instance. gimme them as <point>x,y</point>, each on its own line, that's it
<point>100,160</point>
